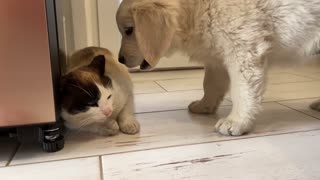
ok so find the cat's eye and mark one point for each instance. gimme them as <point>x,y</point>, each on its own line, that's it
<point>82,108</point>
<point>79,109</point>
<point>93,103</point>
<point>109,97</point>
<point>129,31</point>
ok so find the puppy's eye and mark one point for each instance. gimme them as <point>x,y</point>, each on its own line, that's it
<point>129,31</point>
<point>109,97</point>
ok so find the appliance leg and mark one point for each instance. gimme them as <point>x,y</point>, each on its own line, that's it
<point>51,138</point>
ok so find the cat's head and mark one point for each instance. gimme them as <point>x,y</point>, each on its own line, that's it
<point>86,95</point>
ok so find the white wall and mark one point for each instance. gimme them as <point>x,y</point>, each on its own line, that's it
<point>65,27</point>
<point>109,35</point>
<point>77,25</point>
<point>85,23</point>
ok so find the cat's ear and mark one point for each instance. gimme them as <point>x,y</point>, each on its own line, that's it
<point>65,82</point>
<point>98,64</point>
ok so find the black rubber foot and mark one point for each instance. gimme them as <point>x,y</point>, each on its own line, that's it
<point>53,146</point>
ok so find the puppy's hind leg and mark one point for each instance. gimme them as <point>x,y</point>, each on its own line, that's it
<point>215,85</point>
<point>315,105</point>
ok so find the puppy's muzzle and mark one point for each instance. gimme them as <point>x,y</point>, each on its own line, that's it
<point>145,65</point>
<point>122,60</point>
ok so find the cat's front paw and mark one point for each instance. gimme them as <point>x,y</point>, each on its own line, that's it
<point>129,126</point>
<point>233,127</point>
<point>112,124</point>
<point>107,132</point>
<point>110,128</point>
<point>198,107</point>
<point>315,105</point>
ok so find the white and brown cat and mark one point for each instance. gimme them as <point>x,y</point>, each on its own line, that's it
<point>97,94</point>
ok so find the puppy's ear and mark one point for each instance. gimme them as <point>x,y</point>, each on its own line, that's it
<point>155,24</point>
<point>98,64</point>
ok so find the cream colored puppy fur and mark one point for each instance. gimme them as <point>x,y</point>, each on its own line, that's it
<point>234,39</point>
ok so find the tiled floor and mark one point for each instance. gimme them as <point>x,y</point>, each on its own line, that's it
<point>174,144</point>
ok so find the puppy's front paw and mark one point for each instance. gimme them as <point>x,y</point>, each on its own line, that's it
<point>130,126</point>
<point>233,127</point>
<point>198,107</point>
<point>315,105</point>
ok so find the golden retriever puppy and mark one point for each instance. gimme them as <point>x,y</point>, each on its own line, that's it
<point>234,39</point>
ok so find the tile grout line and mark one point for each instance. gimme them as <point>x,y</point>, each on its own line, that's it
<point>264,102</point>
<point>285,100</point>
<point>198,89</point>
<point>305,76</point>
<point>174,91</point>
<point>279,83</point>
<point>201,78</point>
<point>310,79</point>
<point>297,110</point>
<point>168,79</point>
<point>13,154</point>
<point>165,147</point>
<point>161,111</point>
<point>161,86</point>
<point>52,161</point>
<point>180,109</point>
<point>101,168</point>
<point>169,70</point>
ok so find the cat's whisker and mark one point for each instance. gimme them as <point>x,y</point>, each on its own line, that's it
<point>85,122</point>
<point>82,89</point>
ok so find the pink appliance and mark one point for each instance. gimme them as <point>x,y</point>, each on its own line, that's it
<point>30,72</point>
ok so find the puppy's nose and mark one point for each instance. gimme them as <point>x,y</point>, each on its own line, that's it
<point>122,60</point>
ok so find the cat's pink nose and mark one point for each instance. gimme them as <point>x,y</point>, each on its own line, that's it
<point>107,112</point>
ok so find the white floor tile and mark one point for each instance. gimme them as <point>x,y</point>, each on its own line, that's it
<point>167,101</point>
<point>310,71</point>
<point>311,68</point>
<point>165,75</point>
<point>171,128</point>
<point>291,156</point>
<point>282,78</point>
<point>301,90</point>
<point>77,169</point>
<point>295,68</point>
<point>147,87</point>
<point>7,148</point>
<point>278,69</point>
<point>312,75</point>
<point>302,106</point>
